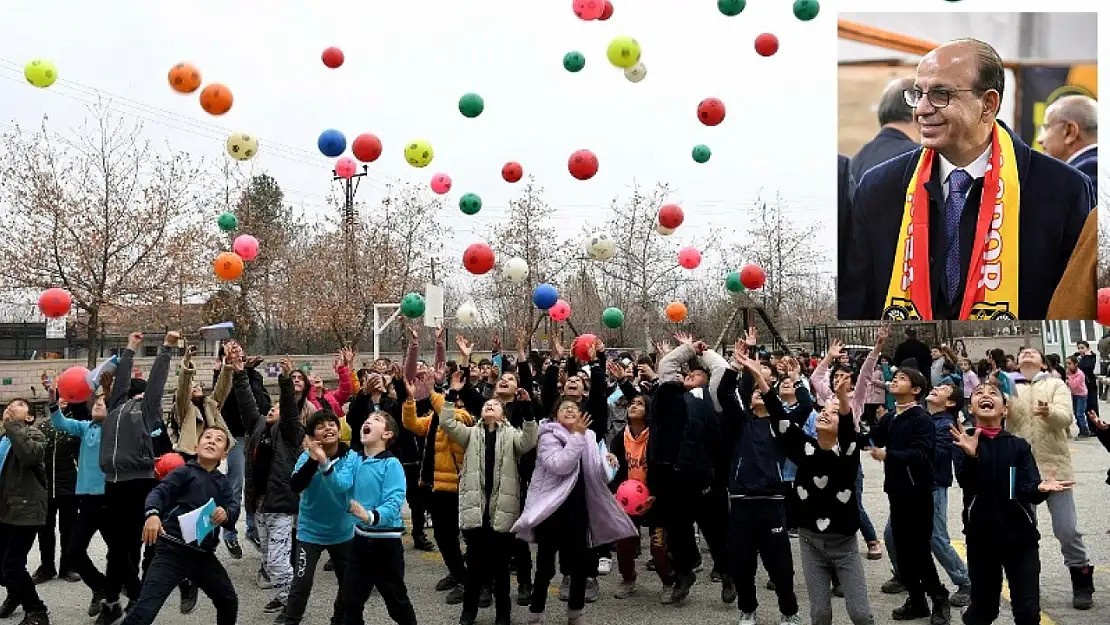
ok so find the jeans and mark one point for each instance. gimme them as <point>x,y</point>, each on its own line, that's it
<point>866,527</point>
<point>173,563</point>
<point>940,544</point>
<point>1079,407</point>
<point>236,472</point>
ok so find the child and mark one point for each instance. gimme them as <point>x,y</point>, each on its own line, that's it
<point>489,492</point>
<point>1077,384</point>
<point>377,487</point>
<point>569,508</point>
<point>192,410</point>
<point>1001,486</point>
<point>22,485</point>
<point>185,489</point>
<point>944,403</point>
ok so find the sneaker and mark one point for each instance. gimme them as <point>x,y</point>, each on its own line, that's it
<point>626,589</point>
<point>962,597</point>
<point>255,541</point>
<point>524,593</point>
<point>892,586</point>
<point>910,611</point>
<point>263,580</point>
<point>942,611</point>
<point>189,595</point>
<point>485,597</point>
<point>42,617</point>
<point>728,590</point>
<point>592,590</point>
<point>746,618</point>
<point>329,565</point>
<point>467,619</point>
<point>44,574</point>
<point>455,595</point>
<point>234,548</point>
<point>70,576</point>
<point>604,566</point>
<point>666,597</point>
<point>564,588</point>
<point>275,606</point>
<point>109,613</point>
<point>421,542</point>
<point>793,619</point>
<point>94,605</point>
<point>445,584</point>
<point>682,586</point>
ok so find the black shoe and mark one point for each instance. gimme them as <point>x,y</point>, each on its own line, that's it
<point>455,595</point>
<point>650,565</point>
<point>8,608</point>
<point>235,549</point>
<point>838,591</point>
<point>485,597</point>
<point>893,586</point>
<point>43,574</point>
<point>189,595</point>
<point>70,576</point>
<point>109,613</point>
<point>682,586</point>
<point>1082,587</point>
<point>770,585</point>
<point>942,611</point>
<point>468,619</point>
<point>962,597</point>
<point>41,617</point>
<point>524,593</point>
<point>445,584</point>
<point>421,542</point>
<point>94,605</point>
<point>910,611</point>
<point>728,590</point>
<point>504,619</point>
<point>254,540</point>
<point>275,606</point>
<point>329,565</point>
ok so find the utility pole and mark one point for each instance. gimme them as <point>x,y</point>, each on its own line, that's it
<point>350,188</point>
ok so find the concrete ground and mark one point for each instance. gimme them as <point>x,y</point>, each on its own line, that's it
<point>68,601</point>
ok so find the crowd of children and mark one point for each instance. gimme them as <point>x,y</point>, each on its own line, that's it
<point>515,458</point>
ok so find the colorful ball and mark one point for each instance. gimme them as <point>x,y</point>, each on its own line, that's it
<point>470,203</point>
<point>184,78</point>
<point>441,183</point>
<point>588,10</point>
<point>366,147</point>
<point>689,257</point>
<point>560,311</point>
<point>600,246</point>
<point>753,277</point>
<point>419,153</point>
<point>216,99</point>
<point>733,282</point>
<point>806,10</point>
<point>711,111</point>
<point>574,61</point>
<point>636,73</point>
<point>471,105</point>
<point>40,73</point>
<point>581,346</point>
<point>346,167</point>
<point>466,313</point>
<point>633,497</point>
<point>607,13</point>
<point>701,153</point>
<point>228,266</point>
<point>331,143</point>
<point>1104,306</point>
<point>515,270</point>
<point>55,303</point>
<point>583,164</point>
<point>332,57</point>
<point>227,221</point>
<point>623,52</point>
<point>766,44</point>
<point>512,171</point>
<point>478,258</point>
<point>242,146</point>
<point>671,216</point>
<point>612,318</point>
<point>544,296</point>
<point>245,246</point>
<point>731,8</point>
<point>676,312</point>
<point>73,385</point>
<point>166,463</point>
<point>412,305</point>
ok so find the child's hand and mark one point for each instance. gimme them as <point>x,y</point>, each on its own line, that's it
<point>358,511</point>
<point>151,529</point>
<point>315,450</point>
<point>219,515</point>
<point>612,461</point>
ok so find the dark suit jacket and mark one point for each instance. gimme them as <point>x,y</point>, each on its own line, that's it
<point>886,145</point>
<point>1055,201</point>
<point>1088,164</point>
<point>846,187</point>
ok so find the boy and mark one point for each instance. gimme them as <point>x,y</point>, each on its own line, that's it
<point>377,556</point>
<point>185,489</point>
<point>22,485</point>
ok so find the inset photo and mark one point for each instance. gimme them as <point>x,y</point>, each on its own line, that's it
<point>968,166</point>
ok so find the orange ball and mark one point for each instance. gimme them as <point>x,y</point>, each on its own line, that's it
<point>184,78</point>
<point>676,311</point>
<point>228,266</point>
<point>216,99</point>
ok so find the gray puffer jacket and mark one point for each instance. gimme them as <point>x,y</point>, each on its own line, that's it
<point>126,446</point>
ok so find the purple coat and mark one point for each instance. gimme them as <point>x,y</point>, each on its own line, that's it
<point>560,456</point>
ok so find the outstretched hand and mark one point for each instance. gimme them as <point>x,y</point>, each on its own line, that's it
<point>969,443</point>
<point>1051,485</point>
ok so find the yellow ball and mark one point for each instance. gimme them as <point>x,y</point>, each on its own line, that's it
<point>623,52</point>
<point>242,146</point>
<point>419,153</point>
<point>40,73</point>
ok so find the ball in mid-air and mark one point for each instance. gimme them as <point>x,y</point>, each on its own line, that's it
<point>242,146</point>
<point>623,52</point>
<point>40,73</point>
<point>600,246</point>
<point>419,153</point>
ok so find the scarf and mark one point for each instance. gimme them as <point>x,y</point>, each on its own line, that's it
<point>991,289</point>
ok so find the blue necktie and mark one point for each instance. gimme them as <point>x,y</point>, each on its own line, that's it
<point>959,181</point>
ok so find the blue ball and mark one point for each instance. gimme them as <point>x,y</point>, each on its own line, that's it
<point>332,143</point>
<point>545,296</point>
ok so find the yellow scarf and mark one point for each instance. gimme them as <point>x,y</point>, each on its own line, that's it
<point>991,289</point>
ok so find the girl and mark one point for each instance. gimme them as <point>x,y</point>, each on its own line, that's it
<point>1077,384</point>
<point>193,411</point>
<point>569,509</point>
<point>489,492</point>
<point>971,382</point>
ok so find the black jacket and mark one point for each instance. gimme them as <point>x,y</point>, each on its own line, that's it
<point>60,461</point>
<point>888,144</point>
<point>274,449</point>
<point>992,511</point>
<point>231,410</point>
<point>1088,164</point>
<point>1055,201</point>
<point>846,188</point>
<point>185,489</point>
<point>916,350</point>
<point>910,441</point>
<point>126,445</point>
<point>942,456</point>
<point>687,435</point>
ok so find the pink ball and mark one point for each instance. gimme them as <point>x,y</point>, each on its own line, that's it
<point>689,257</point>
<point>441,183</point>
<point>633,496</point>
<point>245,246</point>
<point>560,311</point>
<point>345,167</point>
<point>589,9</point>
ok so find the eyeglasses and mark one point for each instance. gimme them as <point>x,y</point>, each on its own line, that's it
<point>939,98</point>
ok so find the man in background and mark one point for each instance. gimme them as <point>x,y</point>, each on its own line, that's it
<point>1070,134</point>
<point>897,133</point>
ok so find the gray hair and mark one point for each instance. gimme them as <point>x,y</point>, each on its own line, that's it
<point>1080,110</point>
<point>892,104</point>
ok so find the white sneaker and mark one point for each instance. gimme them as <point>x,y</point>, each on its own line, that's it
<point>604,566</point>
<point>747,618</point>
<point>790,620</point>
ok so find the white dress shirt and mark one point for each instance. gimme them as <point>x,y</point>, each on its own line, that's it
<point>977,169</point>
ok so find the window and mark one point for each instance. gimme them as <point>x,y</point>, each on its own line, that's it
<point>150,351</point>
<point>1050,335</point>
<point>1075,331</point>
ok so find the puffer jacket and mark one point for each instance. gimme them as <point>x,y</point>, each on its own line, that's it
<point>1048,435</point>
<point>449,455</point>
<point>60,459</point>
<point>504,500</point>
<point>22,479</point>
<point>191,420</point>
<point>275,449</point>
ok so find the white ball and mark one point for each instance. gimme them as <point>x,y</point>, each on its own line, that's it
<point>663,230</point>
<point>636,73</point>
<point>515,270</point>
<point>600,246</point>
<point>466,313</point>
<point>242,146</point>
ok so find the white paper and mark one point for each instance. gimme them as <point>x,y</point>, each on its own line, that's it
<point>197,524</point>
<point>610,470</point>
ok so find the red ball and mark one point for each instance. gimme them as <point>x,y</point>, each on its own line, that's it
<point>166,463</point>
<point>753,277</point>
<point>766,44</point>
<point>670,216</point>
<point>711,111</point>
<point>583,164</point>
<point>73,385</point>
<point>478,258</point>
<point>608,12</point>
<point>512,172</point>
<point>1104,306</point>
<point>367,147</point>
<point>55,303</point>
<point>581,346</point>
<point>332,57</point>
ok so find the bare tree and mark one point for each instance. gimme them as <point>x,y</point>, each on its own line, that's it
<point>98,213</point>
<point>1104,248</point>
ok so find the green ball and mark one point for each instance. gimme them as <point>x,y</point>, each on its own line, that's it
<point>471,105</point>
<point>733,283</point>
<point>612,318</point>
<point>701,153</point>
<point>806,10</point>
<point>470,203</point>
<point>731,8</point>
<point>574,61</point>
<point>412,305</point>
<point>227,222</point>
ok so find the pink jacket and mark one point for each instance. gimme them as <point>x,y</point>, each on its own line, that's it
<point>876,387</point>
<point>337,398</point>
<point>1077,383</point>
<point>819,382</point>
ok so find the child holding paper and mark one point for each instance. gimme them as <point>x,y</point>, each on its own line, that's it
<point>198,485</point>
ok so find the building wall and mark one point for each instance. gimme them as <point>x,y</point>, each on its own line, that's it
<point>1062,337</point>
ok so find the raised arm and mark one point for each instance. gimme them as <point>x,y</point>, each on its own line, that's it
<point>121,382</point>
<point>28,443</point>
<point>156,384</point>
<point>670,365</point>
<point>859,398</point>
<point>717,366</point>
<point>455,430</point>
<point>558,457</point>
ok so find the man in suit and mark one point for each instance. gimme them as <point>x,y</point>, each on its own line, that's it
<point>1070,133</point>
<point>916,253</point>
<point>846,187</point>
<point>897,132</point>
